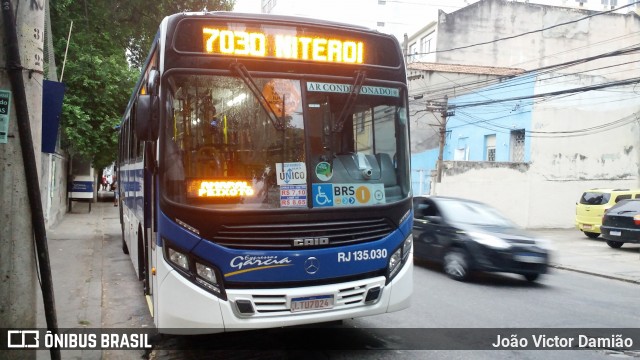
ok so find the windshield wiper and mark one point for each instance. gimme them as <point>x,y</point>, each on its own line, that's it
<point>351,100</point>
<point>243,73</point>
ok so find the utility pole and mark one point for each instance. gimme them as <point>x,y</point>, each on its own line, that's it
<point>443,109</point>
<point>22,62</point>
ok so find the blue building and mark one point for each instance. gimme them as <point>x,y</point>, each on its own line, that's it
<point>487,127</point>
<point>421,166</point>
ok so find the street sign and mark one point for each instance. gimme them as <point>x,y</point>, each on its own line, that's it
<point>5,102</point>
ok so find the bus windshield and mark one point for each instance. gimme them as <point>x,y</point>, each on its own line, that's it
<point>267,143</point>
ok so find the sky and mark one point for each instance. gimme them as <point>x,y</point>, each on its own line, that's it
<point>247,6</point>
<point>401,15</point>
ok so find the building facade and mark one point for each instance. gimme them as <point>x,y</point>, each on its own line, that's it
<point>569,123</point>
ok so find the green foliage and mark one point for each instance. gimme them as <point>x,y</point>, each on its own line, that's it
<point>109,42</point>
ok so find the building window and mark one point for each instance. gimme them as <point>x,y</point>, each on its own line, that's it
<point>413,51</point>
<point>425,45</point>
<point>517,145</point>
<point>490,147</point>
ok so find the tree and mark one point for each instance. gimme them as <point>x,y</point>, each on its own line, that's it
<point>109,43</point>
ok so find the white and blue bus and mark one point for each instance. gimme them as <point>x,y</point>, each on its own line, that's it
<point>264,173</point>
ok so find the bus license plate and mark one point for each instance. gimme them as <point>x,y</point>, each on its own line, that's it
<point>586,227</point>
<point>615,233</point>
<point>311,303</point>
<point>529,258</point>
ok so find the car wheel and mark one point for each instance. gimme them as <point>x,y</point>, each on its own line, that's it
<point>591,235</point>
<point>614,244</point>
<point>531,277</point>
<point>456,265</point>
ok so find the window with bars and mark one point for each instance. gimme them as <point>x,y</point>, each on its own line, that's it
<point>490,147</point>
<point>491,154</point>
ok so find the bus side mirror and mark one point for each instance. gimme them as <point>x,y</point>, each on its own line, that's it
<point>147,121</point>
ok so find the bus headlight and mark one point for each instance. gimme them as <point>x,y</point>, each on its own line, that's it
<point>194,269</point>
<point>178,258</point>
<point>399,257</point>
<point>394,261</point>
<point>205,272</point>
<point>206,277</point>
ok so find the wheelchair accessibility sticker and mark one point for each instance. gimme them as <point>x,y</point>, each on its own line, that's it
<point>328,195</point>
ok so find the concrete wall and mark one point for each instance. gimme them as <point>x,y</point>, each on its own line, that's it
<point>509,192</point>
<point>520,191</point>
<point>589,136</point>
<point>489,20</point>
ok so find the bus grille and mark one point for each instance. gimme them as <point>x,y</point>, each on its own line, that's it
<point>278,303</point>
<point>281,236</point>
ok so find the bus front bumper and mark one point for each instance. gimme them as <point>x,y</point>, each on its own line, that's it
<point>185,308</point>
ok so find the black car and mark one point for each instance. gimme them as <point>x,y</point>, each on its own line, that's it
<point>466,235</point>
<point>621,223</point>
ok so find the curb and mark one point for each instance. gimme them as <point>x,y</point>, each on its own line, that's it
<point>562,267</point>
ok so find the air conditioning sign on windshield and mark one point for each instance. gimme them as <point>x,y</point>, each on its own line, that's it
<point>346,88</point>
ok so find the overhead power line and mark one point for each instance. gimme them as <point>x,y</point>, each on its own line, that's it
<point>552,93</point>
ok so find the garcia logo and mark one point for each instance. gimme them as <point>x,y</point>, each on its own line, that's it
<point>252,263</point>
<point>311,241</point>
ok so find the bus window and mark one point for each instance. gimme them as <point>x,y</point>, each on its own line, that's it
<point>221,133</point>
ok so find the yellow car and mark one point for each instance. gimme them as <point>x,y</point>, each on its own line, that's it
<point>594,203</point>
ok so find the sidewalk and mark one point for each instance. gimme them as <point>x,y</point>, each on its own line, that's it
<point>94,281</point>
<point>574,251</point>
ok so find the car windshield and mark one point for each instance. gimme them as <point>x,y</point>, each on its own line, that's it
<point>595,198</point>
<point>473,213</point>
<point>625,206</point>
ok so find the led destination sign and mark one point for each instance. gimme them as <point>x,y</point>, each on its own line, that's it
<point>213,188</point>
<point>311,47</point>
